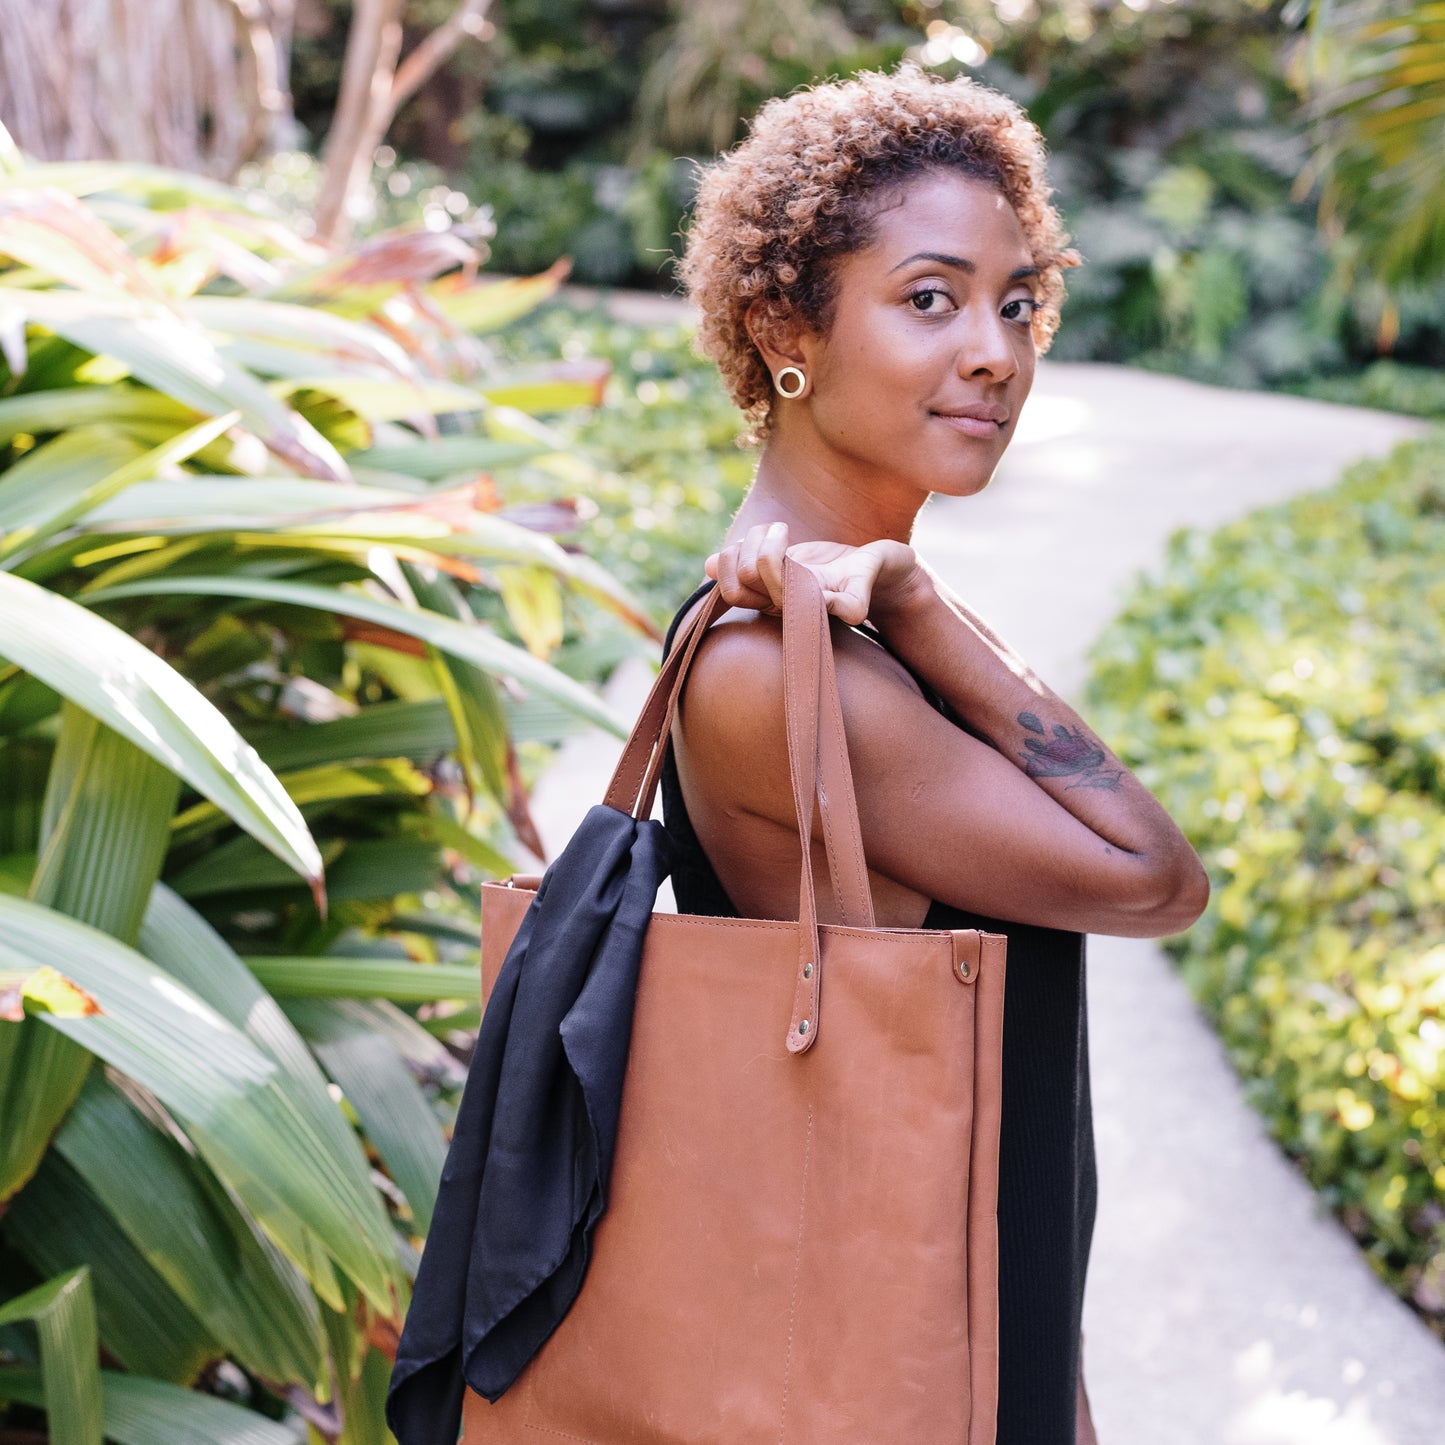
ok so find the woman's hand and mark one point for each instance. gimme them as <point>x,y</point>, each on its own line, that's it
<point>855,580</point>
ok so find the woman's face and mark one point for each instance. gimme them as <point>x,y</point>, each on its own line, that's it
<point>933,322</point>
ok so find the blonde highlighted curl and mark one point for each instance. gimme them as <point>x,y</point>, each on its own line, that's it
<point>775,212</point>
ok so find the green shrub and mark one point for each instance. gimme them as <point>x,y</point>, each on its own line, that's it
<point>1388,385</point>
<point>1281,688</point>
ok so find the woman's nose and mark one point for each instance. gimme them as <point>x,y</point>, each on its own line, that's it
<point>988,348</point>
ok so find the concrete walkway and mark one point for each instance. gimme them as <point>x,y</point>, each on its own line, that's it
<point>1224,1306</point>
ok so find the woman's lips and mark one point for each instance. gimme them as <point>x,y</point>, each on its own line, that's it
<point>971,426</point>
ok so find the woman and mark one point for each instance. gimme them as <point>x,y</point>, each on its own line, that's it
<point>877,268</point>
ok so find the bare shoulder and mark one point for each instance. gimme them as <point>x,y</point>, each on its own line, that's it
<point>732,715</point>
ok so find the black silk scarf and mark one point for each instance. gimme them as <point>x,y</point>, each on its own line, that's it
<point>525,1179</point>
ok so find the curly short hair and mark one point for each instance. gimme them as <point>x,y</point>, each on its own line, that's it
<point>774,212</point>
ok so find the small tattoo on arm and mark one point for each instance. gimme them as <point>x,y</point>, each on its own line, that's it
<point>1069,753</point>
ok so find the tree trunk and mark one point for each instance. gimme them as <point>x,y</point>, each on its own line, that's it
<point>201,85</point>
<point>375,84</point>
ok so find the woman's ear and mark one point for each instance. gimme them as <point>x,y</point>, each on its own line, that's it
<point>776,340</point>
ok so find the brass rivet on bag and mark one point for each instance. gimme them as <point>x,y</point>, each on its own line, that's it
<point>963,968</point>
<point>803,1027</point>
<point>807,970</point>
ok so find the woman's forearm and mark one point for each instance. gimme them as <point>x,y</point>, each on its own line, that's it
<point>939,638</point>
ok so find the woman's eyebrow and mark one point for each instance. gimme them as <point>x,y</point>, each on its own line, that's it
<point>1019,273</point>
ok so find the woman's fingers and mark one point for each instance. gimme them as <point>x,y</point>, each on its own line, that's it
<point>772,546</point>
<point>749,572</point>
<point>849,601</point>
<point>739,573</point>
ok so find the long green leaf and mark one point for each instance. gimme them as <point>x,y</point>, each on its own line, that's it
<point>138,1411</point>
<point>106,827</point>
<point>445,456</point>
<point>221,503</point>
<point>329,784</point>
<point>45,478</point>
<point>338,977</point>
<point>190,950</point>
<point>60,237</point>
<point>38,413</point>
<point>472,697</point>
<point>214,1079</point>
<point>160,348</point>
<point>153,183</point>
<point>487,304</point>
<point>472,643</point>
<point>308,330</point>
<point>299,513</point>
<point>64,506</point>
<point>177,1214</point>
<point>41,1072</point>
<point>127,687</point>
<point>64,1313</point>
<point>550,388</point>
<point>419,731</point>
<point>385,399</point>
<point>393,1111</point>
<point>57,1222</point>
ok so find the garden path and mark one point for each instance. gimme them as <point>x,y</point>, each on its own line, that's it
<point>1224,1305</point>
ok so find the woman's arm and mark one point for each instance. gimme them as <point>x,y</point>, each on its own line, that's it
<point>1041,824</point>
<point>929,628</point>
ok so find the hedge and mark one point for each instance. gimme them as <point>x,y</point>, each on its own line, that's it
<point>1280,686</point>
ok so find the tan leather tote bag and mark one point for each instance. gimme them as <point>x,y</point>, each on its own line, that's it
<point>800,1244</point>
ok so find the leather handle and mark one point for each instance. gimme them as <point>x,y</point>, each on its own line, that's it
<point>634,781</point>
<point>817,764</point>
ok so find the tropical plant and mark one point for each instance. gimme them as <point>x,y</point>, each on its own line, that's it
<point>275,632</point>
<point>1374,71</point>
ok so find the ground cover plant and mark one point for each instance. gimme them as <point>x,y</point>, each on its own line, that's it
<point>1280,686</point>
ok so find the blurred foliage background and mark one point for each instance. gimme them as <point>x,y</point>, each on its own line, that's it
<point>1254,184</point>
<point>1236,227</point>
<point>313,542</point>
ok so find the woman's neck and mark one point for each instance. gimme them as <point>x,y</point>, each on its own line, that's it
<point>822,503</point>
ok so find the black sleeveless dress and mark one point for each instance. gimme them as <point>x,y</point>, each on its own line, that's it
<point>1047,1181</point>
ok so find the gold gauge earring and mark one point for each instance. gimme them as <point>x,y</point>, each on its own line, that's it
<point>798,390</point>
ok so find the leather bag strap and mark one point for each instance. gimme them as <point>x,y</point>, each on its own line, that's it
<point>817,764</point>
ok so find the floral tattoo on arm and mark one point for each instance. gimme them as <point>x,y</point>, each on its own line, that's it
<point>1068,753</point>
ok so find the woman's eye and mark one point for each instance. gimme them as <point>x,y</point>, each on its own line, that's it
<point>926,300</point>
<point>1021,308</point>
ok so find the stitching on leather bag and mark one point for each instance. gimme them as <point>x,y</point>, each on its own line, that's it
<point>836,718</point>
<point>797,1262</point>
<point>566,1434</point>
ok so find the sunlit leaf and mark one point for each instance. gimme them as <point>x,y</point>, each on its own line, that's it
<point>127,687</point>
<point>158,347</point>
<point>473,643</point>
<point>485,304</point>
<point>160,1033</point>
